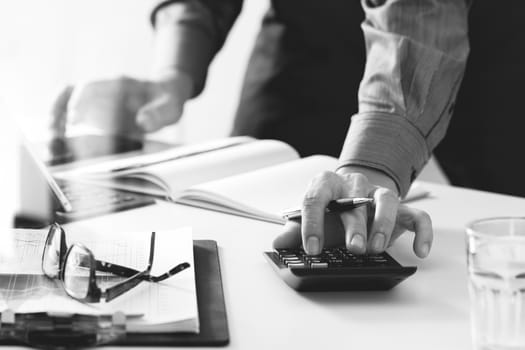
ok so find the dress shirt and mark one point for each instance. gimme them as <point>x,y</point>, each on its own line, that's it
<point>416,56</point>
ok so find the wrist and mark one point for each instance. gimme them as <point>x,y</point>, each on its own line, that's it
<point>176,83</point>
<point>375,177</point>
<point>184,41</point>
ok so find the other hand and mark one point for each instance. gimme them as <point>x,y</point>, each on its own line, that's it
<point>362,229</point>
<point>124,105</point>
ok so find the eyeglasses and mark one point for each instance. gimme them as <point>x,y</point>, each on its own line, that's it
<point>76,268</point>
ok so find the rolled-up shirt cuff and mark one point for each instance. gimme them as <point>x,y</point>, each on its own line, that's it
<point>190,43</point>
<point>157,7</point>
<point>388,143</point>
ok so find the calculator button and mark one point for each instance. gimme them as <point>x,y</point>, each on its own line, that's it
<point>289,258</point>
<point>319,265</point>
<point>331,257</point>
<point>284,256</point>
<point>296,265</point>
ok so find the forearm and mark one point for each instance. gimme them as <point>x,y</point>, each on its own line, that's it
<point>416,56</point>
<point>188,35</point>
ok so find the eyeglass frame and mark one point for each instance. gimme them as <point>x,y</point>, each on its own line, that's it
<point>94,293</point>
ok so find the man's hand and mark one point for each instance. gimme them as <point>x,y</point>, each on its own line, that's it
<point>362,229</point>
<point>124,106</point>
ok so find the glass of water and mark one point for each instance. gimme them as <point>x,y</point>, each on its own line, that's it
<point>496,271</point>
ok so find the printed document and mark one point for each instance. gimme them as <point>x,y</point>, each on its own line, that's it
<point>167,306</point>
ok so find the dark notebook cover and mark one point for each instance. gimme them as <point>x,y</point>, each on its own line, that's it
<point>210,300</point>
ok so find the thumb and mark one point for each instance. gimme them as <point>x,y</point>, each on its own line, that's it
<point>416,221</point>
<point>290,236</point>
<point>162,111</point>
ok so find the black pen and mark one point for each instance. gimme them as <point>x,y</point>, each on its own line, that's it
<point>337,205</point>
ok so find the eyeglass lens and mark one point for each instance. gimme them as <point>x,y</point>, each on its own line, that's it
<point>51,254</point>
<point>77,272</point>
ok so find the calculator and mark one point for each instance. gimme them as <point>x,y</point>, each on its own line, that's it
<point>336,269</point>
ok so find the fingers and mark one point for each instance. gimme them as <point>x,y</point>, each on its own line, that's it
<point>419,222</point>
<point>359,229</point>
<point>290,237</point>
<point>168,96</point>
<point>123,105</point>
<point>355,221</point>
<point>322,190</point>
<point>161,112</point>
<point>109,105</point>
<point>385,214</point>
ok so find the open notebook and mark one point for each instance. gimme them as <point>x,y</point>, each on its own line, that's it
<point>252,178</point>
<point>167,306</point>
<point>169,173</point>
<point>254,194</point>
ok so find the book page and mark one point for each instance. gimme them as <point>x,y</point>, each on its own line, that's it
<point>167,305</point>
<point>109,168</point>
<point>265,192</point>
<point>182,174</point>
<point>168,178</point>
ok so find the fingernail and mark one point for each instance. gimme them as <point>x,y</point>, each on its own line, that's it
<point>425,248</point>
<point>358,242</point>
<point>378,243</point>
<point>312,245</point>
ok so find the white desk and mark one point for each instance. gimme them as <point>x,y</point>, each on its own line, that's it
<point>429,310</point>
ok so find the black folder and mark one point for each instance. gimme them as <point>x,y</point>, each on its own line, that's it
<point>210,300</point>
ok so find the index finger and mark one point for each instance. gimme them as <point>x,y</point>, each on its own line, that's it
<point>322,190</point>
<point>385,214</point>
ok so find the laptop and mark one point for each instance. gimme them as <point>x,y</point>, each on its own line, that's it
<point>44,200</point>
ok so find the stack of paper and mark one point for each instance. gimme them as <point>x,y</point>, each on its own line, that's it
<point>167,306</point>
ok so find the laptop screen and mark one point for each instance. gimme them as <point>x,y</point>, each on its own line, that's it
<point>40,195</point>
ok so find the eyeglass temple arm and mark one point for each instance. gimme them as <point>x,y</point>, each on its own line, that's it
<point>124,271</point>
<point>115,269</point>
<point>173,271</point>
<point>132,281</point>
<point>122,287</point>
